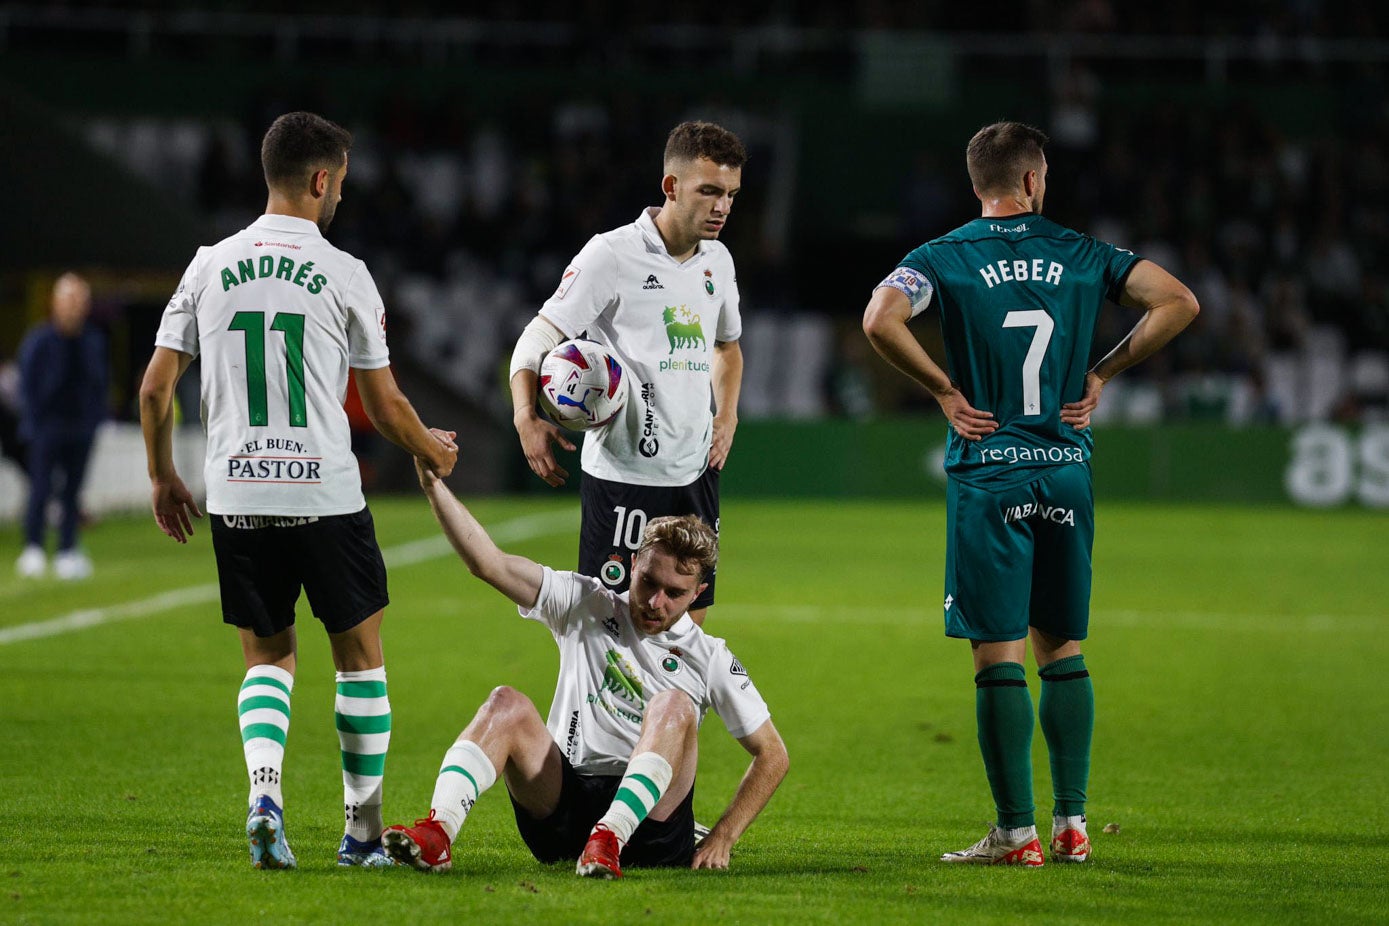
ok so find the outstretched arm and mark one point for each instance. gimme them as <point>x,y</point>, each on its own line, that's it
<point>1169,307</point>
<point>170,498</point>
<point>514,576</point>
<point>393,415</point>
<point>885,324</point>
<point>768,768</point>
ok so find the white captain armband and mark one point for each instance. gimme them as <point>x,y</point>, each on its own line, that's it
<point>912,284</point>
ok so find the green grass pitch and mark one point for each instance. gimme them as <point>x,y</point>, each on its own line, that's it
<point>1241,746</point>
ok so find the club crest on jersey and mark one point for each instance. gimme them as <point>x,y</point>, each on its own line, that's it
<point>613,571</point>
<point>671,664</point>
<point>709,282</point>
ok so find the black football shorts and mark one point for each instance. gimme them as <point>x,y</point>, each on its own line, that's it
<point>615,514</point>
<point>264,560</point>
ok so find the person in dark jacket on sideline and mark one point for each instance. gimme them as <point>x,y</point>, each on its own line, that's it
<point>62,390</point>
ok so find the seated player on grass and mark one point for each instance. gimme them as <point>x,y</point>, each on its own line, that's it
<point>612,773</point>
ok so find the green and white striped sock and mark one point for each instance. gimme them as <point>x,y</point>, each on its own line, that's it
<point>465,773</point>
<point>362,713</point>
<point>648,775</point>
<point>263,711</point>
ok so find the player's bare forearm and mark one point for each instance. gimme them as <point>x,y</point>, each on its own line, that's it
<point>770,763</point>
<point>162,374</point>
<point>170,500</point>
<point>1169,307</point>
<point>514,576</point>
<point>727,381</point>
<point>535,433</point>
<point>523,390</point>
<point>885,324</point>
<point>396,419</point>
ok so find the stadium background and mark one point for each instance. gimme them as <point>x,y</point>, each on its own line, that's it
<point>1241,743</point>
<point>1245,147</point>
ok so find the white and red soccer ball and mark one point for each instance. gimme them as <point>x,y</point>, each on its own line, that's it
<point>581,385</point>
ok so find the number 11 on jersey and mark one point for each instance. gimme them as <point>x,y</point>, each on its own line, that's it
<point>252,324</point>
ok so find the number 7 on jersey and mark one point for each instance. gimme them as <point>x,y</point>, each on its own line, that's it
<point>1032,363</point>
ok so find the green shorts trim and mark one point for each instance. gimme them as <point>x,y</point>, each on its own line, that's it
<point>1020,557</point>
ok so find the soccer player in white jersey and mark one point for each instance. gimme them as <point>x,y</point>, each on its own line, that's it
<point>662,295</point>
<point>612,771</point>
<point>279,315</point>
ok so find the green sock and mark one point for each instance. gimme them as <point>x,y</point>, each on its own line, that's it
<point>1004,710</point>
<point>1067,711</point>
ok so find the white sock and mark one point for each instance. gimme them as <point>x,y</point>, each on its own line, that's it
<point>1018,833</point>
<point>648,775</point>
<point>1067,823</point>
<point>466,772</point>
<point>263,711</point>
<point>362,714</point>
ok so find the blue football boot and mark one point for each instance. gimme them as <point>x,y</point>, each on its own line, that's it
<point>265,828</point>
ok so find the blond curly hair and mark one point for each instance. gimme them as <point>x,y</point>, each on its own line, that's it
<point>692,542</point>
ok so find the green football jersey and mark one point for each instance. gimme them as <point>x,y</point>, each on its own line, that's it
<point>1018,300</point>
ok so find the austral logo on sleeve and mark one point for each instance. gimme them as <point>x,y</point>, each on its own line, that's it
<point>274,460</point>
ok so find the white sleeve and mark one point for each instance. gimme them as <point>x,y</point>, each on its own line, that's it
<point>587,289</point>
<point>733,696</point>
<point>561,599</point>
<point>178,329</point>
<point>366,322</point>
<point>730,327</point>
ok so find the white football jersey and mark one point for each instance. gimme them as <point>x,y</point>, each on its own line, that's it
<point>279,315</point>
<point>609,670</point>
<point>660,319</point>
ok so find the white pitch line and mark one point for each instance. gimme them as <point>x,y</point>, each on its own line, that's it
<point>526,527</point>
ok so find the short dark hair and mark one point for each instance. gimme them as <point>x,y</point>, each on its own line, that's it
<point>999,154</point>
<point>691,140</point>
<point>299,143</point>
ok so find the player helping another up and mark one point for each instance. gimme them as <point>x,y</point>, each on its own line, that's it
<point>612,772</point>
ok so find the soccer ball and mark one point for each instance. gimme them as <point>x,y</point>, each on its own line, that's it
<point>581,385</point>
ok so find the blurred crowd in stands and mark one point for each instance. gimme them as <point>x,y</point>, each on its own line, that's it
<point>467,223</point>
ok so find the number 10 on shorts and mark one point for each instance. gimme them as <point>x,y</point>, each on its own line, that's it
<point>629,526</point>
